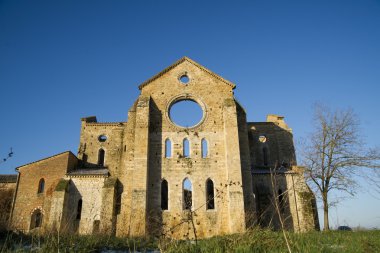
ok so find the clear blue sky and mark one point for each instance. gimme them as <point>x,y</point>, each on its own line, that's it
<point>63,60</point>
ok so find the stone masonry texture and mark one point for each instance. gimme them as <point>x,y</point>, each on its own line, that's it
<point>122,182</point>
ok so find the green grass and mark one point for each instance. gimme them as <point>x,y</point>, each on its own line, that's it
<point>255,240</point>
<point>259,240</point>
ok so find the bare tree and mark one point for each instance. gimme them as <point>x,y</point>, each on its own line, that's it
<point>335,154</point>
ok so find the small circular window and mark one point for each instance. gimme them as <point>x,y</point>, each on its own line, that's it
<point>186,113</point>
<point>184,79</point>
<point>262,138</point>
<point>102,138</point>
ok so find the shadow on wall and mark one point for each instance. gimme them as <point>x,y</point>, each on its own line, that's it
<point>154,210</point>
<point>266,198</point>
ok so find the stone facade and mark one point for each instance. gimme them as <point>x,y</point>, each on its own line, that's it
<point>150,176</point>
<point>7,189</point>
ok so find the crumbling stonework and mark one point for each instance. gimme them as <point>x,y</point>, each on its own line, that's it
<point>7,189</point>
<point>129,177</point>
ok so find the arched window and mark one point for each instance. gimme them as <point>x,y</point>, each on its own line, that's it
<point>168,148</point>
<point>187,194</point>
<point>204,148</point>
<point>265,156</point>
<point>79,209</point>
<point>41,186</point>
<point>119,193</point>
<point>36,219</point>
<point>101,156</point>
<point>164,195</point>
<point>210,194</point>
<point>186,148</point>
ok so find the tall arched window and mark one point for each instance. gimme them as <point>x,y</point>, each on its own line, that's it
<point>36,219</point>
<point>41,186</point>
<point>168,148</point>
<point>187,194</point>
<point>204,148</point>
<point>101,156</point>
<point>210,194</point>
<point>79,209</point>
<point>164,195</point>
<point>186,148</point>
<point>265,156</point>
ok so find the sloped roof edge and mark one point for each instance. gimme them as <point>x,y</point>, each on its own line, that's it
<point>53,156</point>
<point>185,58</point>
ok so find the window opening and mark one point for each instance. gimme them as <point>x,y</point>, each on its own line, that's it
<point>210,194</point>
<point>187,194</point>
<point>168,148</point>
<point>164,195</point>
<point>184,79</point>
<point>102,138</point>
<point>96,227</point>
<point>185,113</point>
<point>204,148</point>
<point>265,156</point>
<point>36,219</point>
<point>41,186</point>
<point>79,209</point>
<point>101,157</point>
<point>119,193</point>
<point>262,138</point>
<point>186,148</point>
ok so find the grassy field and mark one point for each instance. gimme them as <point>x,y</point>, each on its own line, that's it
<point>256,240</point>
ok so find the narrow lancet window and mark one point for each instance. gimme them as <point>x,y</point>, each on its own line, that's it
<point>210,194</point>
<point>186,148</point>
<point>38,219</point>
<point>41,186</point>
<point>101,156</point>
<point>187,194</point>
<point>164,195</point>
<point>265,156</point>
<point>79,209</point>
<point>168,148</point>
<point>204,148</point>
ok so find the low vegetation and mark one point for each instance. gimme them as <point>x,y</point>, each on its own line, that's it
<point>255,240</point>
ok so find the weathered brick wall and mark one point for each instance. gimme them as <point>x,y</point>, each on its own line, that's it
<point>145,157</point>
<point>298,212</point>
<point>279,142</point>
<point>136,162</point>
<point>89,190</point>
<point>7,190</point>
<point>90,144</point>
<point>51,169</point>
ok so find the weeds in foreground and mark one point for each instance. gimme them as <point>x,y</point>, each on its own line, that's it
<point>254,240</point>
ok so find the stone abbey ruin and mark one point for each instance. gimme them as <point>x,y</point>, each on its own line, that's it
<point>151,176</point>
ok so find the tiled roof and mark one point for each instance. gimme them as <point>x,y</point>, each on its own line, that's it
<point>89,172</point>
<point>8,178</point>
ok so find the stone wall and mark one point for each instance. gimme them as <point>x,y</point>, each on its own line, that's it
<point>276,138</point>
<point>28,200</point>
<point>123,193</point>
<point>90,144</point>
<point>7,189</point>
<point>89,190</point>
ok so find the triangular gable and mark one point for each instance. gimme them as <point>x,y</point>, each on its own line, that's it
<point>44,159</point>
<point>192,62</point>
